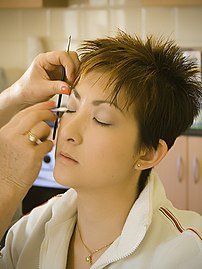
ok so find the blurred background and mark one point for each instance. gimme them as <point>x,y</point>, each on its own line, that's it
<point>26,30</point>
<point>28,27</point>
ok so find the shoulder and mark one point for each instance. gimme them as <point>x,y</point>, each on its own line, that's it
<point>183,220</point>
<point>35,221</point>
<point>30,231</point>
<point>50,209</point>
<point>181,238</point>
<point>173,219</point>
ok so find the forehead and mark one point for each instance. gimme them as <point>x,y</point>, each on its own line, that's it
<point>95,80</point>
<point>101,84</point>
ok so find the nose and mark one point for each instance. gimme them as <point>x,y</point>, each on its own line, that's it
<point>71,128</point>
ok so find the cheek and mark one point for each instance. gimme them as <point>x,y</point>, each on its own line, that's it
<point>112,151</point>
<point>110,162</point>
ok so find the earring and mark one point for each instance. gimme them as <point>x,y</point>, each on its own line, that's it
<point>138,165</point>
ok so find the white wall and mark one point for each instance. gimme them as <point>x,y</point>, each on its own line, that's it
<point>90,19</point>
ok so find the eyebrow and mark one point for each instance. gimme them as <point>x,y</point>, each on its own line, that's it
<point>96,102</point>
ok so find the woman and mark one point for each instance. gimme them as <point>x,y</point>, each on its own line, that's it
<point>129,103</point>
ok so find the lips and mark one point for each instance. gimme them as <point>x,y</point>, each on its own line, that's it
<point>67,157</point>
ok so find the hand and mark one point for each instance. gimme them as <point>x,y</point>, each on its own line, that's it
<point>21,159</point>
<point>39,83</point>
<point>42,80</point>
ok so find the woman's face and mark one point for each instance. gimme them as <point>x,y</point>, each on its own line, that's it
<point>97,143</point>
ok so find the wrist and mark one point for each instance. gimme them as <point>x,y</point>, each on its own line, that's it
<point>15,96</point>
<point>10,104</point>
<point>11,198</point>
<point>12,190</point>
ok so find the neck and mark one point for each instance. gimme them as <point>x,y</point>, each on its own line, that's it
<point>102,214</point>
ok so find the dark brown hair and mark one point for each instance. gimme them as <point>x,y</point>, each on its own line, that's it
<point>155,76</point>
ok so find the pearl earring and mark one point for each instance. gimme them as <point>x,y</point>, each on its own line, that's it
<point>138,165</point>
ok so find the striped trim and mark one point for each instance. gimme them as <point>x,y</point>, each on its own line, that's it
<point>169,215</point>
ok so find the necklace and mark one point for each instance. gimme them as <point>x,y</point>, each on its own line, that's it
<point>89,258</point>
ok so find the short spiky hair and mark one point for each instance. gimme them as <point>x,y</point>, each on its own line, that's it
<point>162,84</point>
<point>155,76</point>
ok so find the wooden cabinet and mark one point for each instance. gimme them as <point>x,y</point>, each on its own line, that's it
<point>171,2</point>
<point>181,173</point>
<point>195,174</point>
<point>32,3</point>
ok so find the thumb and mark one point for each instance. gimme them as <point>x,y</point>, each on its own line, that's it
<point>44,147</point>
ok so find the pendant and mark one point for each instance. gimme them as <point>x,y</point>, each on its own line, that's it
<point>89,259</point>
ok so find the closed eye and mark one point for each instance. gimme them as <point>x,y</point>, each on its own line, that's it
<point>101,123</point>
<point>70,111</point>
<point>104,124</point>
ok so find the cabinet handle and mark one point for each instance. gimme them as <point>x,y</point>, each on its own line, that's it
<point>179,168</point>
<point>196,170</point>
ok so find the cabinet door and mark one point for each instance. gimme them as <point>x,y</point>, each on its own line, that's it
<point>32,3</point>
<point>171,2</point>
<point>195,174</point>
<point>173,172</point>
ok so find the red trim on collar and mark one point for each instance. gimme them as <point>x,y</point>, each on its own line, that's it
<point>176,222</point>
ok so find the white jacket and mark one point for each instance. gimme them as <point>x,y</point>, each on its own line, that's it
<point>155,236</point>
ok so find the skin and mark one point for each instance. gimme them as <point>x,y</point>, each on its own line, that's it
<point>96,179</point>
<point>83,135</point>
<point>97,154</point>
<point>39,83</point>
<point>20,160</point>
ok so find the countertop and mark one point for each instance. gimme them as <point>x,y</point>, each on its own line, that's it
<point>193,132</point>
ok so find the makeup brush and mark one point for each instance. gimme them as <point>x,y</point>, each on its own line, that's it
<point>60,95</point>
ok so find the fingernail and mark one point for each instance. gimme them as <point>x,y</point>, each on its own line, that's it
<point>51,103</point>
<point>65,89</point>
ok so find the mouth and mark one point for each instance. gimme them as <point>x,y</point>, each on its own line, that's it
<point>66,157</point>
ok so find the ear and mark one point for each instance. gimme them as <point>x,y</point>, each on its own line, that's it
<point>151,157</point>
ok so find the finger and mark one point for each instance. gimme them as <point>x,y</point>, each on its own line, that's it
<point>58,87</point>
<point>25,124</point>
<point>71,70</point>
<point>47,105</point>
<point>68,60</point>
<point>43,148</point>
<point>71,73</point>
<point>50,60</point>
<point>29,117</point>
<point>33,118</point>
<point>41,130</point>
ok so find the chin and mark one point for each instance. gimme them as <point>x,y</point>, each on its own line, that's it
<point>62,179</point>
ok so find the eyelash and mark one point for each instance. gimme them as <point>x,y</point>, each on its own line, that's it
<point>103,124</point>
<point>69,111</point>
<point>97,121</point>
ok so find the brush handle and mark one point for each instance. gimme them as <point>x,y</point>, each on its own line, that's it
<point>60,95</point>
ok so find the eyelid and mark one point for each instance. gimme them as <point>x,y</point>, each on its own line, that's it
<point>71,108</point>
<point>71,104</point>
<point>101,122</point>
<point>70,111</point>
<point>75,94</point>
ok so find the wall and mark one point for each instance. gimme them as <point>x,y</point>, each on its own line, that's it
<point>89,19</point>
